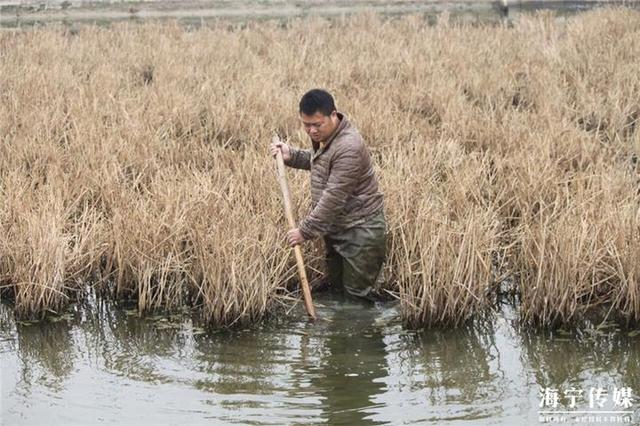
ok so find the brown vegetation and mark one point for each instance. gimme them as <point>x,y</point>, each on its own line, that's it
<point>134,158</point>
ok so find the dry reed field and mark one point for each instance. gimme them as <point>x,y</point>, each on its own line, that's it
<point>133,158</point>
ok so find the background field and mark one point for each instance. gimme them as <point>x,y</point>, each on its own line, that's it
<point>16,13</point>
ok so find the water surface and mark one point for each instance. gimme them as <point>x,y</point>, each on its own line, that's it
<point>102,364</point>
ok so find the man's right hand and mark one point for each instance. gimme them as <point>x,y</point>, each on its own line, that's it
<point>282,147</point>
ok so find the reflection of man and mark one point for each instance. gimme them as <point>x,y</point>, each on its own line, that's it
<point>347,207</point>
<point>351,374</point>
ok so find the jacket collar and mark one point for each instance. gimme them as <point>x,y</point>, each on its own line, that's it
<point>344,123</point>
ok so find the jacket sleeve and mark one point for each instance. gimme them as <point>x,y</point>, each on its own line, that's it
<point>342,181</point>
<point>300,159</point>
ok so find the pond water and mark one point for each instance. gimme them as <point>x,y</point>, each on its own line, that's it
<point>102,364</point>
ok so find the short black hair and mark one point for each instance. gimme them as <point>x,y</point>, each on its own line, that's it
<point>317,100</point>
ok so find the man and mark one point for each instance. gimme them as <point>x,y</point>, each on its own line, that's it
<point>347,207</point>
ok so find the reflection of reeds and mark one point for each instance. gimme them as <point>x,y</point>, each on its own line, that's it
<point>45,353</point>
<point>145,172</point>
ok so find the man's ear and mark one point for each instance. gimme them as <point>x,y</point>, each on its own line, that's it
<point>334,115</point>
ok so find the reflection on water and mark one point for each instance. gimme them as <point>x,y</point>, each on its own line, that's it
<point>104,365</point>
<point>609,360</point>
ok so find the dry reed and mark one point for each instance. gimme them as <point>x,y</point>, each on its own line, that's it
<point>133,158</point>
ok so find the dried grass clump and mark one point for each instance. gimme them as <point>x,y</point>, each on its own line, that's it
<point>443,232</point>
<point>578,257</point>
<point>50,247</point>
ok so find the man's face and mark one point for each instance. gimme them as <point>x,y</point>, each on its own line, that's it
<point>319,126</point>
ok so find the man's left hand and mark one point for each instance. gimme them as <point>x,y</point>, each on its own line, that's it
<point>294,236</point>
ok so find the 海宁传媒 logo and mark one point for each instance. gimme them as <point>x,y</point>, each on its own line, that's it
<point>588,406</point>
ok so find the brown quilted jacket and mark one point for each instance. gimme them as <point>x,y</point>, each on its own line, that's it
<point>344,188</point>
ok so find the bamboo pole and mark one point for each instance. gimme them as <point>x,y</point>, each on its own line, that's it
<point>304,282</point>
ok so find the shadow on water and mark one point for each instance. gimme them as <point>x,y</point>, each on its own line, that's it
<point>357,365</point>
